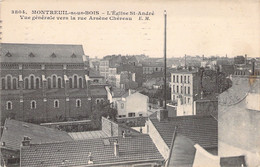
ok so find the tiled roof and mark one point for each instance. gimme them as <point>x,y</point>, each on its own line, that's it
<point>183,152</point>
<point>14,132</point>
<point>97,92</point>
<point>202,130</point>
<point>43,53</point>
<point>133,149</point>
<point>88,135</point>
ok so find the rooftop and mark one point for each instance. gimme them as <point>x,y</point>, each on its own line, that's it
<point>202,130</point>
<point>139,148</point>
<point>14,132</point>
<point>41,53</point>
<point>88,135</point>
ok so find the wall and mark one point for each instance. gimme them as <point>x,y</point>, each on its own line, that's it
<point>238,131</point>
<point>205,107</point>
<point>157,139</point>
<point>137,103</point>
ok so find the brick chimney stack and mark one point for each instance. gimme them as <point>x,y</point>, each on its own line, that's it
<point>116,148</point>
<point>26,141</point>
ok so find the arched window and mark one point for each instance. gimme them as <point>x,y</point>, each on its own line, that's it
<point>177,89</point>
<point>9,105</point>
<point>3,83</point>
<point>49,83</point>
<point>78,103</point>
<point>32,82</point>
<point>33,104</point>
<point>97,101</point>
<point>177,78</point>
<point>37,82</point>
<point>56,104</point>
<point>14,83</point>
<point>26,83</point>
<point>59,83</point>
<point>75,81</point>
<point>70,82</point>
<point>54,84</point>
<point>80,83</point>
<point>9,82</point>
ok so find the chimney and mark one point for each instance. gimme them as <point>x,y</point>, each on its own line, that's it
<point>162,115</point>
<point>3,143</point>
<point>245,59</point>
<point>90,158</point>
<point>116,148</point>
<point>26,141</point>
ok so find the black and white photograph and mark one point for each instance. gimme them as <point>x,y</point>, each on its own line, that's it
<point>137,83</point>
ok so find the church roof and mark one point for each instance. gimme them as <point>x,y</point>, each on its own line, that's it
<point>40,53</point>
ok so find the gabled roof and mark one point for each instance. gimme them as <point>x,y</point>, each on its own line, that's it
<point>42,53</point>
<point>14,132</point>
<point>139,148</point>
<point>202,130</point>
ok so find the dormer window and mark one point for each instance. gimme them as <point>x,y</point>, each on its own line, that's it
<point>73,55</point>
<point>53,55</point>
<point>8,54</point>
<point>31,55</point>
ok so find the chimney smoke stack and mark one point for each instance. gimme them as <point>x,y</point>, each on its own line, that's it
<point>116,148</point>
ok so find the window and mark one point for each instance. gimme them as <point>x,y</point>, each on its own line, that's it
<point>26,83</point>
<point>54,81</point>
<point>173,88</point>
<point>184,89</point>
<point>173,78</point>
<point>177,79</point>
<point>78,103</point>
<point>181,89</point>
<point>177,88</point>
<point>122,105</point>
<point>188,100</point>
<point>59,83</point>
<point>131,114</point>
<point>32,82</point>
<point>3,83</point>
<point>75,81</point>
<point>184,79</point>
<point>181,79</point>
<point>33,104</point>
<point>70,82</point>
<point>140,115</point>
<point>188,90</point>
<point>188,79</point>
<point>14,83</point>
<point>9,105</point>
<point>9,82</point>
<point>56,104</point>
<point>49,83</point>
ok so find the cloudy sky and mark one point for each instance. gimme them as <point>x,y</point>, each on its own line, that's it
<point>209,27</point>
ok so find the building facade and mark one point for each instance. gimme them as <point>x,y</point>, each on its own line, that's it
<point>43,82</point>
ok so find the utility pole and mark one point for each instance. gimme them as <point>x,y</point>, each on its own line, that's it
<point>165,65</point>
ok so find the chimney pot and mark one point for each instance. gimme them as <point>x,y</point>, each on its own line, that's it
<point>3,143</point>
<point>116,148</point>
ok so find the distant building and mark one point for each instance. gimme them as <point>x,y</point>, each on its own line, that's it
<point>104,68</point>
<point>239,120</point>
<point>151,67</point>
<point>186,88</point>
<point>132,104</point>
<point>240,59</point>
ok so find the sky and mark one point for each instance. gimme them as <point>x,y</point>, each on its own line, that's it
<point>202,27</point>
